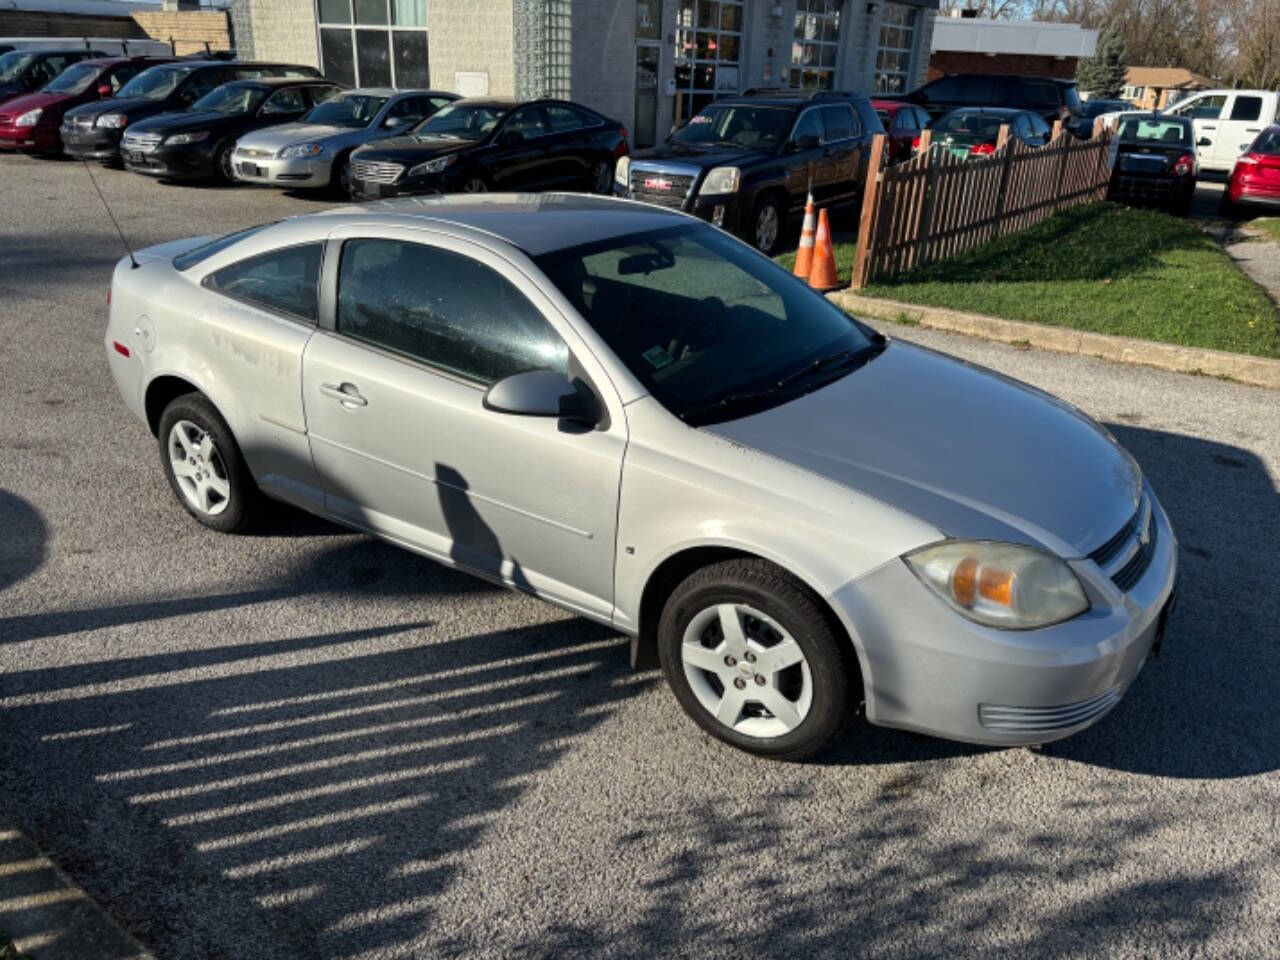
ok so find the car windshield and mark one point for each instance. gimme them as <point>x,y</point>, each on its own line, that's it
<point>75,79</point>
<point>458,121</point>
<point>231,99</point>
<point>350,110</point>
<point>981,126</point>
<point>13,63</point>
<point>1268,143</point>
<point>709,327</point>
<point>749,127</point>
<point>1155,130</point>
<point>154,84</point>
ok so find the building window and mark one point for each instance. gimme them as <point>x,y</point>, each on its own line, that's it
<point>708,53</point>
<point>816,41</point>
<point>894,50</point>
<point>374,43</point>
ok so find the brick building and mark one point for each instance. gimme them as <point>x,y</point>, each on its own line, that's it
<point>647,63</point>
<point>1015,47</point>
<point>179,23</point>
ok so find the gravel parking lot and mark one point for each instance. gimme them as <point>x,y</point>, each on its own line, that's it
<point>305,743</point>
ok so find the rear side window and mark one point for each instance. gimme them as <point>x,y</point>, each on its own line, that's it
<point>839,123</point>
<point>1040,93</point>
<point>983,89</point>
<point>945,89</point>
<point>1246,108</point>
<point>282,281</point>
<point>442,309</point>
<point>564,119</point>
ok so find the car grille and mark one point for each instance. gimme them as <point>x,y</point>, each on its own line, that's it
<point>660,188</point>
<point>5,118</point>
<point>141,141</point>
<point>254,152</point>
<point>1126,556</point>
<point>80,123</point>
<point>1004,719</point>
<point>373,171</point>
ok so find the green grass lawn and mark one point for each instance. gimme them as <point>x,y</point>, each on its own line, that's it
<point>1105,268</point>
<point>1268,225</point>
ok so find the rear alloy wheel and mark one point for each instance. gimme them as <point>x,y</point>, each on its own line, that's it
<point>766,226</point>
<point>602,177</point>
<point>475,185</point>
<point>751,657</point>
<point>203,463</point>
<point>225,171</point>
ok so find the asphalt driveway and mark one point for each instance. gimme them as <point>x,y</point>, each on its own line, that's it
<point>305,743</point>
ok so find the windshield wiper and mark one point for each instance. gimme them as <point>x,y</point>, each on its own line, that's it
<point>730,400</point>
<point>832,359</point>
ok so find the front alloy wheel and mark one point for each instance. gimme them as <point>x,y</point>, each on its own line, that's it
<point>225,168</point>
<point>767,227</point>
<point>602,177</point>
<point>751,654</point>
<point>475,185</point>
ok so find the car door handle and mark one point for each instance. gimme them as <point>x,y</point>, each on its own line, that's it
<point>345,393</point>
<point>1207,127</point>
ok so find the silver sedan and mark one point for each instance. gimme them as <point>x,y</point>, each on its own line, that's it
<point>313,153</point>
<point>628,413</point>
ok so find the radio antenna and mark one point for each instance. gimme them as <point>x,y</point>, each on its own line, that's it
<point>133,261</point>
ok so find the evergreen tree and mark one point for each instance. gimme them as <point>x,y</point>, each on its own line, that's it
<point>1103,74</point>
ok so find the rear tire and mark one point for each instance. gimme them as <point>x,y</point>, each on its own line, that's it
<point>751,656</point>
<point>205,468</point>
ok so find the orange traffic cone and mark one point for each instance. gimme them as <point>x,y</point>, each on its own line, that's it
<point>804,255</point>
<point>823,275</point>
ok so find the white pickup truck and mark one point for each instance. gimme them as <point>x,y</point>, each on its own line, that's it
<point>1226,122</point>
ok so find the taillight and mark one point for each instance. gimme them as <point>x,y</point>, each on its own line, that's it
<point>1186,163</point>
<point>982,149</point>
<point>915,143</point>
<point>624,134</point>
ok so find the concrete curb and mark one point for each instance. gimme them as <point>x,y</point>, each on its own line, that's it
<point>47,915</point>
<point>1256,371</point>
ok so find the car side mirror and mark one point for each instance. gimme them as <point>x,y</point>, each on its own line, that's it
<point>1204,142</point>
<point>808,141</point>
<point>104,91</point>
<point>392,122</point>
<point>541,393</point>
<point>510,138</point>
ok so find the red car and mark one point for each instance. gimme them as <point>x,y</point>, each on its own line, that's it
<point>902,123</point>
<point>30,122</point>
<point>1256,176</point>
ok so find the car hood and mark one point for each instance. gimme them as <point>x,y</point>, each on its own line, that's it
<point>129,106</point>
<point>975,454</point>
<point>33,101</point>
<point>410,148</point>
<point>286,134</point>
<point>183,120</point>
<point>703,158</point>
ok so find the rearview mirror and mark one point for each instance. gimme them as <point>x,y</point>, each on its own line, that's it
<point>541,393</point>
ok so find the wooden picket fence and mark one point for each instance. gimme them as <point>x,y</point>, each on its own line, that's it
<point>937,204</point>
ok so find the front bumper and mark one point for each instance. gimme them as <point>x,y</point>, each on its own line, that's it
<point>186,162</point>
<point>37,138</point>
<point>723,210</point>
<point>926,668</point>
<point>1153,188</point>
<point>1254,190</point>
<point>92,144</point>
<point>278,172</point>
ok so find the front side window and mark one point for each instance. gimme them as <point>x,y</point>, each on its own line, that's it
<point>1203,108</point>
<point>809,125</point>
<point>442,309</point>
<point>285,101</point>
<point>460,122</point>
<point>13,64</point>
<point>530,123</point>
<point>737,125</point>
<point>200,86</point>
<point>705,324</point>
<point>282,281</point>
<point>155,83</point>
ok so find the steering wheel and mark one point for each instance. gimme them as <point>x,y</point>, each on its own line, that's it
<point>711,313</point>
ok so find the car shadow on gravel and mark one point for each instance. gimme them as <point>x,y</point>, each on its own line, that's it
<point>1206,706</point>
<point>23,539</point>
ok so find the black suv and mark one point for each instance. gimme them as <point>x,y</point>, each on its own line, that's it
<point>93,131</point>
<point>1051,98</point>
<point>747,162</point>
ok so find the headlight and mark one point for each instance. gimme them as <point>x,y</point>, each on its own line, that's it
<point>112,121</point>
<point>622,172</point>
<point>721,180</point>
<point>1000,584</point>
<point>29,119</point>
<point>432,166</point>
<point>302,150</point>
<point>193,137</point>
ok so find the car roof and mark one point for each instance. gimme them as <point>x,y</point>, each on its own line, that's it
<point>1154,115</point>
<point>535,223</point>
<point>279,82</point>
<point>993,111</point>
<point>500,103</point>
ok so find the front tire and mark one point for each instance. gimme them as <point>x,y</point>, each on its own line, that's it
<point>204,466</point>
<point>752,658</point>
<point>766,226</point>
<point>602,177</point>
<point>222,163</point>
